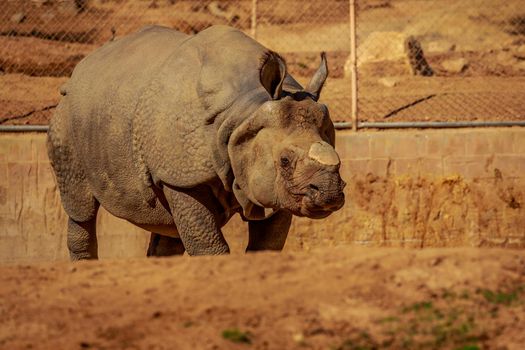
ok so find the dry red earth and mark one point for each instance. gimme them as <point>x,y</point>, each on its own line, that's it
<point>340,298</point>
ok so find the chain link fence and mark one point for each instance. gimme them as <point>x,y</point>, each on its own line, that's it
<point>416,60</point>
<point>444,60</point>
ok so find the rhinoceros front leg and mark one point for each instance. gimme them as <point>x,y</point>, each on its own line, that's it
<point>195,215</point>
<point>271,233</point>
<point>160,245</point>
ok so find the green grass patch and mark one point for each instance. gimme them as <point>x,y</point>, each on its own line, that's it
<point>453,319</point>
<point>417,307</point>
<point>436,325</point>
<point>237,336</point>
<point>499,297</point>
<point>468,347</point>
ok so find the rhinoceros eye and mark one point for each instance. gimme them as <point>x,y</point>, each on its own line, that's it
<point>285,161</point>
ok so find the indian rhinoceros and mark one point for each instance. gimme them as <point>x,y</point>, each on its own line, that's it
<point>177,133</point>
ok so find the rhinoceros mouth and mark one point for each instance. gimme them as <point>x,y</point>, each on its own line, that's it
<point>310,206</point>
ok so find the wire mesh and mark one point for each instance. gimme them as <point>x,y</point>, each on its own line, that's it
<point>417,60</point>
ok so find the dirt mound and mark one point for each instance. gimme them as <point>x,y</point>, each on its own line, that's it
<point>339,298</point>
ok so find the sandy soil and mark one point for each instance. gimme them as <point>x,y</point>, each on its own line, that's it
<point>342,298</point>
<point>54,36</point>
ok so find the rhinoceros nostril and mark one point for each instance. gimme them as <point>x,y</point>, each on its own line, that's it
<point>314,187</point>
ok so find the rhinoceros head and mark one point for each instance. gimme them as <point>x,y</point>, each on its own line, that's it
<point>283,156</point>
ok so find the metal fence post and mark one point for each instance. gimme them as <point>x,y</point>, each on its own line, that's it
<point>254,19</point>
<point>353,64</point>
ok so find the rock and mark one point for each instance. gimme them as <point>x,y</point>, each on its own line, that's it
<point>18,17</point>
<point>394,46</point>
<point>382,46</point>
<point>513,59</point>
<point>440,46</point>
<point>299,338</point>
<point>455,65</point>
<point>389,81</point>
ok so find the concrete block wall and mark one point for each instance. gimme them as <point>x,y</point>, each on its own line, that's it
<point>405,188</point>
<point>472,153</point>
<point>32,221</point>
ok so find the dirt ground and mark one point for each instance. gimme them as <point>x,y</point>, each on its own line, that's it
<point>54,35</point>
<point>340,298</point>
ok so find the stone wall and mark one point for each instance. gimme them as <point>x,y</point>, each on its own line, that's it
<point>405,188</point>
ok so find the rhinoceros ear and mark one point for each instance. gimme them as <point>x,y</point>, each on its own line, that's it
<point>316,84</point>
<point>272,73</point>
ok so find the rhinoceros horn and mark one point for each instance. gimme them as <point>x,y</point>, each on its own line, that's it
<point>323,153</point>
<point>316,84</point>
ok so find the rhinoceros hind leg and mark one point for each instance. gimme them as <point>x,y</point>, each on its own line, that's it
<point>82,239</point>
<point>78,200</point>
<point>160,245</point>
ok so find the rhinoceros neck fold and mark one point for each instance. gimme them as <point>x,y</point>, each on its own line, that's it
<point>226,123</point>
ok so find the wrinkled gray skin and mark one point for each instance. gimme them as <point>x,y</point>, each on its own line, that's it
<point>177,133</point>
